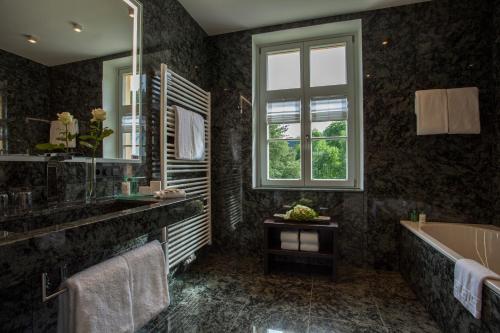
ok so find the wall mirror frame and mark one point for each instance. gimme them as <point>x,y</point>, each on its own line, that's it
<point>120,71</point>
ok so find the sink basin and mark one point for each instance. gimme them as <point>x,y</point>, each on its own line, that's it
<point>58,215</point>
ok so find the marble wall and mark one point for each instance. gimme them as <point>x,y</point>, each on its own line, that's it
<point>27,91</point>
<point>496,62</point>
<point>438,44</point>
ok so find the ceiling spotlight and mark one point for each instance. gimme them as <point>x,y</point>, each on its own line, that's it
<point>76,27</point>
<point>31,39</point>
<point>130,12</point>
<point>385,42</point>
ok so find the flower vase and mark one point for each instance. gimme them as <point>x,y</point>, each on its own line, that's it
<point>90,191</point>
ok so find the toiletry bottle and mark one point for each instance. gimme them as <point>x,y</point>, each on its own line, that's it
<point>413,216</point>
<point>126,187</point>
<point>422,218</point>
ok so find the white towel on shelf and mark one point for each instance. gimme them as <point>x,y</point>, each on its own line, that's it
<point>148,282</point>
<point>56,130</point>
<point>463,111</point>
<point>98,300</point>
<point>432,111</point>
<point>309,237</point>
<point>289,236</point>
<point>309,247</point>
<point>189,135</point>
<point>468,285</point>
<point>290,246</point>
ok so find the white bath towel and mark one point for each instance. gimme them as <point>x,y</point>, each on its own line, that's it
<point>56,130</point>
<point>289,236</point>
<point>468,285</point>
<point>98,300</point>
<point>309,237</point>
<point>290,246</point>
<point>309,247</point>
<point>463,111</point>
<point>148,282</point>
<point>189,135</point>
<point>432,111</point>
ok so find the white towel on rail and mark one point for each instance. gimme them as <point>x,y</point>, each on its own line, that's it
<point>463,111</point>
<point>148,282</point>
<point>468,285</point>
<point>432,111</point>
<point>98,300</point>
<point>189,135</point>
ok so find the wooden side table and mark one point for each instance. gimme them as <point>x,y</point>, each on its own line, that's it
<point>327,242</point>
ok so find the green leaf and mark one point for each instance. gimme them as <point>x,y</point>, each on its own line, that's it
<point>86,144</point>
<point>86,137</point>
<point>49,146</point>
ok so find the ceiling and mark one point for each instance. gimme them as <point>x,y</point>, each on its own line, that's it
<point>107,29</point>
<point>222,16</point>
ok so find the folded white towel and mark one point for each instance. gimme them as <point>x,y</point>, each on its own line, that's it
<point>148,285</point>
<point>290,245</point>
<point>289,236</point>
<point>463,111</point>
<point>170,193</point>
<point>98,300</point>
<point>309,247</point>
<point>432,111</point>
<point>189,135</point>
<point>56,130</point>
<point>309,237</point>
<point>468,285</point>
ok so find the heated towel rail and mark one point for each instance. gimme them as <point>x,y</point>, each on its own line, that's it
<point>188,236</point>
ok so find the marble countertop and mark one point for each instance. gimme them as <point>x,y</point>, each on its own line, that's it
<point>150,203</point>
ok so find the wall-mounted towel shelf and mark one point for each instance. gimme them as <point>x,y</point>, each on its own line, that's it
<point>45,280</point>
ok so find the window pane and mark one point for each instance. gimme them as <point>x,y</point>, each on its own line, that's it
<point>284,159</point>
<point>283,119</point>
<point>329,159</point>
<point>328,65</point>
<point>283,131</point>
<point>127,89</point>
<point>329,128</point>
<point>283,70</point>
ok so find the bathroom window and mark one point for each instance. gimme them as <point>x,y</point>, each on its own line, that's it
<point>309,124</point>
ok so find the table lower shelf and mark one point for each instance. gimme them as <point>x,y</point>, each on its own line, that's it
<point>325,255</point>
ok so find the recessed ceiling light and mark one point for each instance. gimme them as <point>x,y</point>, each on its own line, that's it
<point>76,27</point>
<point>130,12</point>
<point>31,39</point>
<point>385,42</point>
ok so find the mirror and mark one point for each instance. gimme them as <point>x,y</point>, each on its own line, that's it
<point>70,56</point>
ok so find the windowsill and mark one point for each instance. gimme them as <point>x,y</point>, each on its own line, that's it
<point>307,189</point>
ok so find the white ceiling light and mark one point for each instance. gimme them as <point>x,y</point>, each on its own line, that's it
<point>76,27</point>
<point>31,39</point>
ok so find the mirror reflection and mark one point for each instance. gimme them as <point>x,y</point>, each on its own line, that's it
<point>59,61</point>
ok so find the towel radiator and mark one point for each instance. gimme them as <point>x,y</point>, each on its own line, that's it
<point>188,236</point>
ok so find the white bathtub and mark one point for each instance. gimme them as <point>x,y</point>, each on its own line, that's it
<point>456,241</point>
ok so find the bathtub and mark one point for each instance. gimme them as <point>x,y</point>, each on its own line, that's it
<point>456,241</point>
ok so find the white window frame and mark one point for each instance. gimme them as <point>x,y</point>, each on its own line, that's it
<point>352,91</point>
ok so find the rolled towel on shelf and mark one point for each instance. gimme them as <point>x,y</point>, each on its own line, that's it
<point>170,193</point>
<point>309,247</point>
<point>290,246</point>
<point>309,237</point>
<point>289,236</point>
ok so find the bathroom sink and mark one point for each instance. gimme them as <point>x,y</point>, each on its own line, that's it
<point>57,215</point>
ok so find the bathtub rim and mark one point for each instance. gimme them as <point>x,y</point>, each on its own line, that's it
<point>414,227</point>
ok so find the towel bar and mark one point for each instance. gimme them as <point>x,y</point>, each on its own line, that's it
<point>45,279</point>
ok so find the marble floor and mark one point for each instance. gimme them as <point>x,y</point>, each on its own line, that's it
<point>229,294</point>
